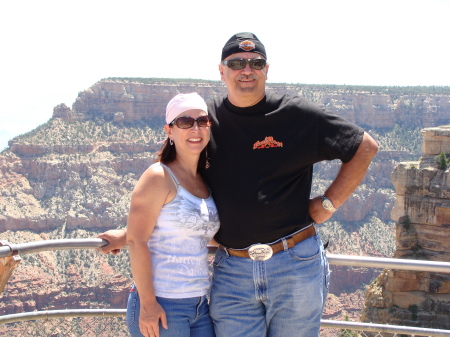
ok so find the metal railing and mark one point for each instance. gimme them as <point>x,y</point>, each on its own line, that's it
<point>333,259</point>
<point>343,260</point>
<point>342,325</point>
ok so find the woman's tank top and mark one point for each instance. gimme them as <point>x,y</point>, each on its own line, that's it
<point>178,244</point>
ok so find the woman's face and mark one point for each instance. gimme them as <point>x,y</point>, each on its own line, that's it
<point>191,140</point>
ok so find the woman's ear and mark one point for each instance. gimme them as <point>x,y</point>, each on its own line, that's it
<point>168,130</point>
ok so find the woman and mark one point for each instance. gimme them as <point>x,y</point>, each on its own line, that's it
<point>172,218</point>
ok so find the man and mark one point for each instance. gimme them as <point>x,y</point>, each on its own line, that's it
<point>270,272</point>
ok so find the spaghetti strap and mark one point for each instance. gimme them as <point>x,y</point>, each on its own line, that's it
<point>172,175</point>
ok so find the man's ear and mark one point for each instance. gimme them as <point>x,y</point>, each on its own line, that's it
<point>221,72</point>
<point>267,70</point>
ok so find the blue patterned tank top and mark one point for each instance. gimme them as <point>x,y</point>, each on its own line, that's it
<point>178,244</point>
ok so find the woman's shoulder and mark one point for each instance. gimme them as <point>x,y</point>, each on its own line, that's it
<point>154,171</point>
<point>156,168</point>
<point>155,176</point>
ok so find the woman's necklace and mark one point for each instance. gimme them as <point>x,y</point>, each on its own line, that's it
<point>197,189</point>
<point>192,184</point>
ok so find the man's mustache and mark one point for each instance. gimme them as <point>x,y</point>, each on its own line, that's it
<point>249,77</point>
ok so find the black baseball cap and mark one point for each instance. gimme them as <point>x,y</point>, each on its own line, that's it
<point>243,42</point>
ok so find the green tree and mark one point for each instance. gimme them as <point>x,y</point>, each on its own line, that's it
<point>442,161</point>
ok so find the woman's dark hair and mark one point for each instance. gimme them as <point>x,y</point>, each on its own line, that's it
<point>168,153</point>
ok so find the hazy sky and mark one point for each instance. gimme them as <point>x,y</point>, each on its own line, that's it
<point>51,50</point>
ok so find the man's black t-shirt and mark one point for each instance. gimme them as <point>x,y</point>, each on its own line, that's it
<point>262,164</point>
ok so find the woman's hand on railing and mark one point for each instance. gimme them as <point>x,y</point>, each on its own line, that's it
<point>117,239</point>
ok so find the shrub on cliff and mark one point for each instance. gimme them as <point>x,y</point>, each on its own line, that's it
<point>442,161</point>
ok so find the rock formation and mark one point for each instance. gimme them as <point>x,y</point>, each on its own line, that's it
<point>63,171</point>
<point>76,173</point>
<point>422,212</point>
<point>136,99</point>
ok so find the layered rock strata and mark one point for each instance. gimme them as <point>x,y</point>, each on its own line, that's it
<point>77,172</point>
<point>87,145</point>
<point>130,100</point>
<point>422,212</point>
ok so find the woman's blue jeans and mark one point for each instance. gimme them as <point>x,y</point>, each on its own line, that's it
<point>282,296</point>
<point>186,317</point>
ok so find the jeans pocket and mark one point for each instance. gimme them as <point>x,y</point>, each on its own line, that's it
<point>326,270</point>
<point>219,257</point>
<point>132,309</point>
<point>306,250</point>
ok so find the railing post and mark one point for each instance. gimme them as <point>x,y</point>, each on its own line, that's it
<point>7,265</point>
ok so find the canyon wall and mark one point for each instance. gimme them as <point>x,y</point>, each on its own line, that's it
<point>422,213</point>
<point>78,168</point>
<point>130,100</point>
<point>76,173</point>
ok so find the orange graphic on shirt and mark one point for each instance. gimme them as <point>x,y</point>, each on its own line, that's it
<point>266,143</point>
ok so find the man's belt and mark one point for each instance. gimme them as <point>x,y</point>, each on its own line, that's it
<point>262,252</point>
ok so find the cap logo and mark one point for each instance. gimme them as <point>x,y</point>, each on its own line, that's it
<point>247,45</point>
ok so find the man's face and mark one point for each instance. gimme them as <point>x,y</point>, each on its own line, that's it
<point>244,84</point>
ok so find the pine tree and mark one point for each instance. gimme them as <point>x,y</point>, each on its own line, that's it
<point>442,161</point>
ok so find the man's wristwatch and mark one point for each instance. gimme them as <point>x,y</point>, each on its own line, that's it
<point>327,204</point>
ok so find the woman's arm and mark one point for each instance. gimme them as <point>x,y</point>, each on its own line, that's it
<point>150,194</point>
<point>213,243</point>
<point>117,239</point>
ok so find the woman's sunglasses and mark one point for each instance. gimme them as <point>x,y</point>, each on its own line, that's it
<point>187,122</point>
<point>238,64</point>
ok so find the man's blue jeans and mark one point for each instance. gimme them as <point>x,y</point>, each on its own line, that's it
<point>282,296</point>
<point>186,317</point>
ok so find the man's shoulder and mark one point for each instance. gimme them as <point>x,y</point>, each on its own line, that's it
<point>284,100</point>
<point>215,103</point>
<point>216,100</point>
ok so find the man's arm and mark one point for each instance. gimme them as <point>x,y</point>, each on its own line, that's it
<point>117,239</point>
<point>349,177</point>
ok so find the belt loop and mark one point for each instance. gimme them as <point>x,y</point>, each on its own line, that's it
<point>285,244</point>
<point>225,250</point>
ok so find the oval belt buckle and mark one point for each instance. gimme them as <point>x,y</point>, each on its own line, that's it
<point>260,252</point>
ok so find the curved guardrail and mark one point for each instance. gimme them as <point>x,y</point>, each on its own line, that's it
<point>354,326</point>
<point>69,313</point>
<point>7,249</point>
<point>343,260</point>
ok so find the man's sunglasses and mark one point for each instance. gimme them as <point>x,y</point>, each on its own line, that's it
<point>187,122</point>
<point>238,64</point>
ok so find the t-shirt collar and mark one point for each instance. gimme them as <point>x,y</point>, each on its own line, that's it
<point>251,110</point>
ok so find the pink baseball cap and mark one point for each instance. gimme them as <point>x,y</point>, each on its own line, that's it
<point>184,102</point>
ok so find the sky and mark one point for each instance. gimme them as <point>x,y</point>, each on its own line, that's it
<point>53,49</point>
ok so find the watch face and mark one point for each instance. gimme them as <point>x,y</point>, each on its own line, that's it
<point>328,205</point>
